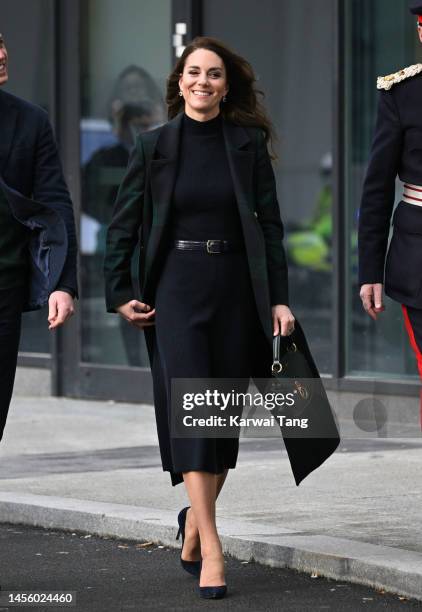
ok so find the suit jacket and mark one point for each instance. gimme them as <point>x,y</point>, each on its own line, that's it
<point>396,150</point>
<point>32,180</point>
<point>141,213</point>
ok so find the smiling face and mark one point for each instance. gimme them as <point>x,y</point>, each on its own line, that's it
<point>203,84</point>
<point>3,61</point>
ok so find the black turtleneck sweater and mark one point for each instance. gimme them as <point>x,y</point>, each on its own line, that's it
<point>204,204</point>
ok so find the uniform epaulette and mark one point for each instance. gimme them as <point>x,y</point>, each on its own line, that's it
<point>387,82</point>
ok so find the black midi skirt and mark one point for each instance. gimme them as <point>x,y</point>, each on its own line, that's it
<point>206,326</point>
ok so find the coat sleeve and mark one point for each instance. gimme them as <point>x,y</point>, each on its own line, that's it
<point>50,188</point>
<point>268,213</point>
<point>123,231</point>
<point>379,191</point>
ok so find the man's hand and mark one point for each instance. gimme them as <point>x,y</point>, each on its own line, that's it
<point>137,313</point>
<point>283,320</point>
<point>371,296</point>
<point>60,308</point>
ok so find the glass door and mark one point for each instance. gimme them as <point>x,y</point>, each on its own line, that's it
<point>125,57</point>
<point>381,38</point>
<point>290,46</point>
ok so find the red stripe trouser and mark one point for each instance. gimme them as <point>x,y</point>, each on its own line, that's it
<point>413,323</point>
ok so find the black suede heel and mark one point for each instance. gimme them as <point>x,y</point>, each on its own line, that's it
<point>192,567</point>
<point>212,592</point>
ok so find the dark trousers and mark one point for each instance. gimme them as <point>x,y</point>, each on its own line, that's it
<point>207,326</point>
<point>11,301</point>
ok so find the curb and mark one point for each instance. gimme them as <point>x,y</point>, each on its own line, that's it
<point>391,569</point>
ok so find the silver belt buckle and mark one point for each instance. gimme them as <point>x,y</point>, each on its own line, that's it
<point>209,247</point>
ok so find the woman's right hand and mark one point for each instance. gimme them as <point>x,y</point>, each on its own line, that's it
<point>137,313</point>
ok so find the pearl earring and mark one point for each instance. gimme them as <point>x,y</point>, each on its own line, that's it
<point>180,93</point>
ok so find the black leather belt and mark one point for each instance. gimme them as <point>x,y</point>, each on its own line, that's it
<point>209,246</point>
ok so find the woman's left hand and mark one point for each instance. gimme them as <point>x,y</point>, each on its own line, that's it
<point>283,320</point>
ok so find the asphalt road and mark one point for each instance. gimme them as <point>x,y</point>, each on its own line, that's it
<point>108,575</point>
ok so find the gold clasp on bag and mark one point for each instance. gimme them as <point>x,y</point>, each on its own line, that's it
<point>303,391</point>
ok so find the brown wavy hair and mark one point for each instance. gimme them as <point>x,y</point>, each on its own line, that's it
<point>243,105</point>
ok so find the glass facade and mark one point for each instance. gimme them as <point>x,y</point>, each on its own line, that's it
<point>381,38</point>
<point>123,70</point>
<point>296,74</point>
<point>124,59</point>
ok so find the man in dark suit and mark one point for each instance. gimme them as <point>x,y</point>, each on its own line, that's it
<point>396,150</point>
<point>37,229</point>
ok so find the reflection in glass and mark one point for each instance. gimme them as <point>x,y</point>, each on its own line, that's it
<point>295,72</point>
<point>380,40</point>
<point>134,103</point>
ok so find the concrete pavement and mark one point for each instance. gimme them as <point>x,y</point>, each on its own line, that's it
<point>95,467</point>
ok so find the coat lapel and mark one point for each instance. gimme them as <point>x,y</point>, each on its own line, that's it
<point>8,120</point>
<point>163,170</point>
<point>241,165</point>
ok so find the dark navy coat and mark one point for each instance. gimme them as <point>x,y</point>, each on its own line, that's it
<point>396,151</point>
<point>142,211</point>
<point>32,180</point>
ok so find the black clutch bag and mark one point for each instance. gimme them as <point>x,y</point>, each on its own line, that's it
<point>293,370</point>
<point>293,377</point>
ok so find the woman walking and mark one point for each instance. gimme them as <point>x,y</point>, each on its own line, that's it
<point>201,193</point>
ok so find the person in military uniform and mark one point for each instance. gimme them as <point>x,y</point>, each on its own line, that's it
<point>396,150</point>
